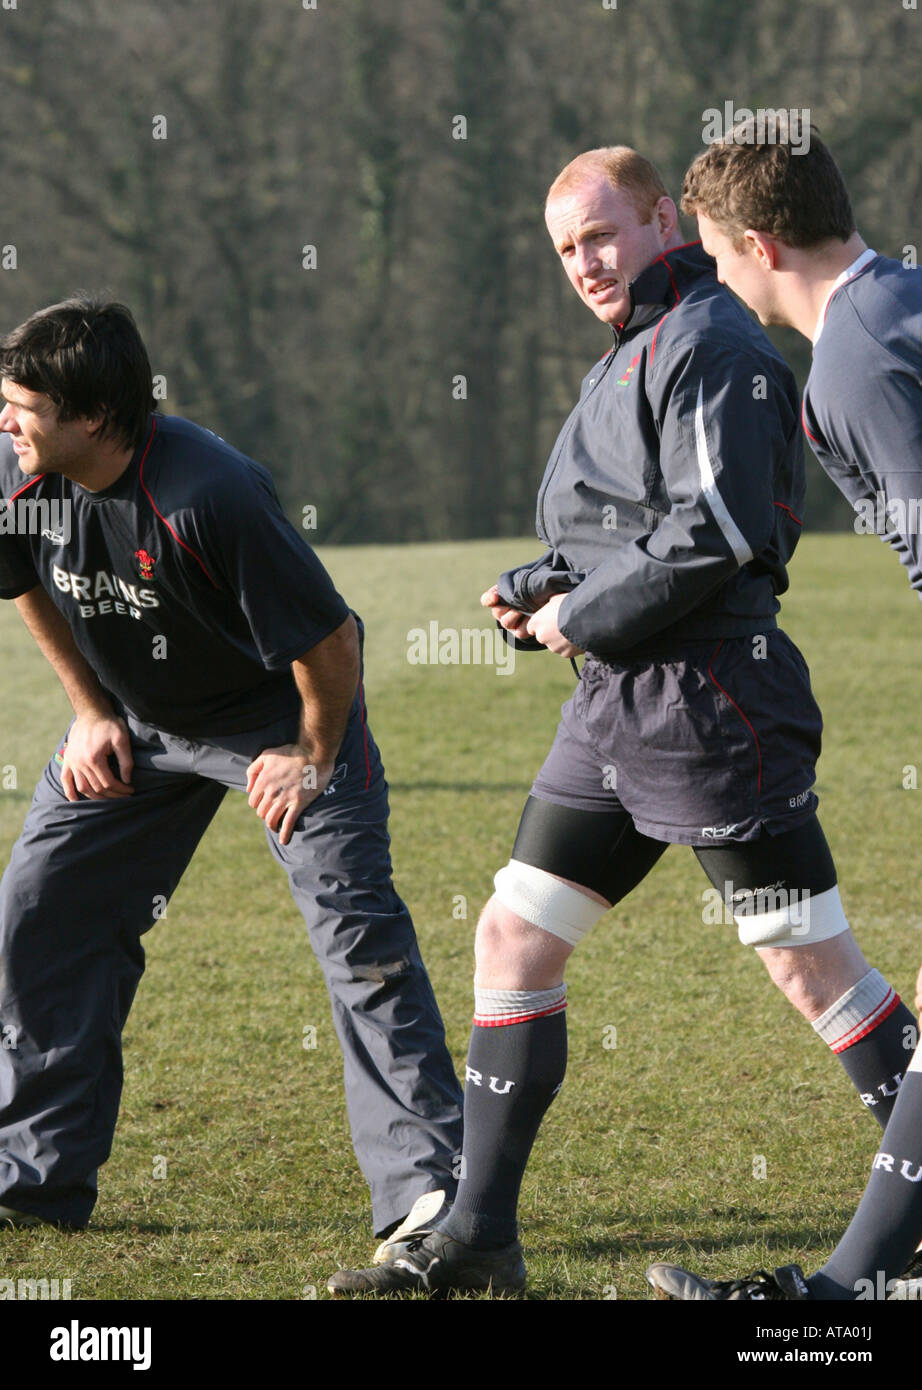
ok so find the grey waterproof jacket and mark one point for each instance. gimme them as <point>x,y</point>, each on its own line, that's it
<point>673,496</point>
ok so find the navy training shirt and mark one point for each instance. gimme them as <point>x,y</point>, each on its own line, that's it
<point>189,546</point>
<point>862,406</point>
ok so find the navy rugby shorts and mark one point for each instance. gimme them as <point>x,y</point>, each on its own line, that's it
<point>701,745</point>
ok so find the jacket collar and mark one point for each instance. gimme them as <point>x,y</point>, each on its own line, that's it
<point>866,257</point>
<point>662,283</point>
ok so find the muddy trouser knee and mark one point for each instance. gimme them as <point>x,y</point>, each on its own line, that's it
<point>84,882</point>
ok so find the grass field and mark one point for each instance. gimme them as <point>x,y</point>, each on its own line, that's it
<point>650,1150</point>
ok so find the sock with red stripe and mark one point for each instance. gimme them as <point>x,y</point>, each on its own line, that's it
<point>887,1226</point>
<point>515,1067</point>
<point>873,1034</point>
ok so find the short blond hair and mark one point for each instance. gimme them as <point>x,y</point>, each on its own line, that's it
<point>623,168</point>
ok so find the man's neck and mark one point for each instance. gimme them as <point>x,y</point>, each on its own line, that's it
<point>102,470</point>
<point>813,275</point>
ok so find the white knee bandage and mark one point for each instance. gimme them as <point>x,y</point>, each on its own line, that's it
<point>541,898</point>
<point>797,920</point>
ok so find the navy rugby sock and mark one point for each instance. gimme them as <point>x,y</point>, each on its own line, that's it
<point>887,1226</point>
<point>873,1034</point>
<point>515,1067</point>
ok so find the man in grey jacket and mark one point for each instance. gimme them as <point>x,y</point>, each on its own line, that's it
<point>670,506</point>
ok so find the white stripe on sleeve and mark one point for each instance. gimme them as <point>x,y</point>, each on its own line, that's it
<point>732,534</point>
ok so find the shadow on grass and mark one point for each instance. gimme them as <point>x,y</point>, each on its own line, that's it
<point>698,1221</point>
<point>333,1229</point>
<point>752,1226</point>
<point>673,1247</point>
<point>521,786</point>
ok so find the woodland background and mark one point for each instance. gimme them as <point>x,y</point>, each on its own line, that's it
<point>332,127</point>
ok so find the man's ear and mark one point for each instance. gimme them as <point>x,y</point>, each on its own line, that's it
<point>666,215</point>
<point>763,246</point>
<point>93,424</point>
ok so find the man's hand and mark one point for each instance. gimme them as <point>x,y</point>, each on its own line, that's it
<point>97,731</point>
<point>85,770</point>
<point>543,625</point>
<point>509,618</point>
<point>281,782</point>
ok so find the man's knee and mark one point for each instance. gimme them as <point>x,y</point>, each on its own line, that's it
<point>812,978</point>
<point>512,953</point>
<point>805,944</point>
<point>530,926</point>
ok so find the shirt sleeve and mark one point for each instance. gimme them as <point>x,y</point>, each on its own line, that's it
<point>873,453</point>
<point>17,571</point>
<point>254,553</point>
<point>726,420</point>
<point>527,587</point>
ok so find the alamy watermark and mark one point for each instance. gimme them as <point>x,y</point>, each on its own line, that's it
<point>81,1342</point>
<point>30,1290</point>
<point>881,516</point>
<point>466,646</point>
<point>726,907</point>
<point>881,1288</point>
<point>37,516</point>
<point>764,126</point>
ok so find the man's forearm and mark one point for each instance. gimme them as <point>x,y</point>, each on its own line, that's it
<point>55,640</point>
<point>327,678</point>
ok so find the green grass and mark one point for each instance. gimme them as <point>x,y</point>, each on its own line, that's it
<point>648,1151</point>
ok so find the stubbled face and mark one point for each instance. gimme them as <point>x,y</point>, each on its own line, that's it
<point>603,244</point>
<point>741,270</point>
<point>41,442</point>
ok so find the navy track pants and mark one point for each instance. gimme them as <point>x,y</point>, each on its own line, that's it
<point>81,888</point>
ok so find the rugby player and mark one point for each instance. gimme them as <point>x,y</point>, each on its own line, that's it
<point>670,507</point>
<point>203,647</point>
<point>778,221</point>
